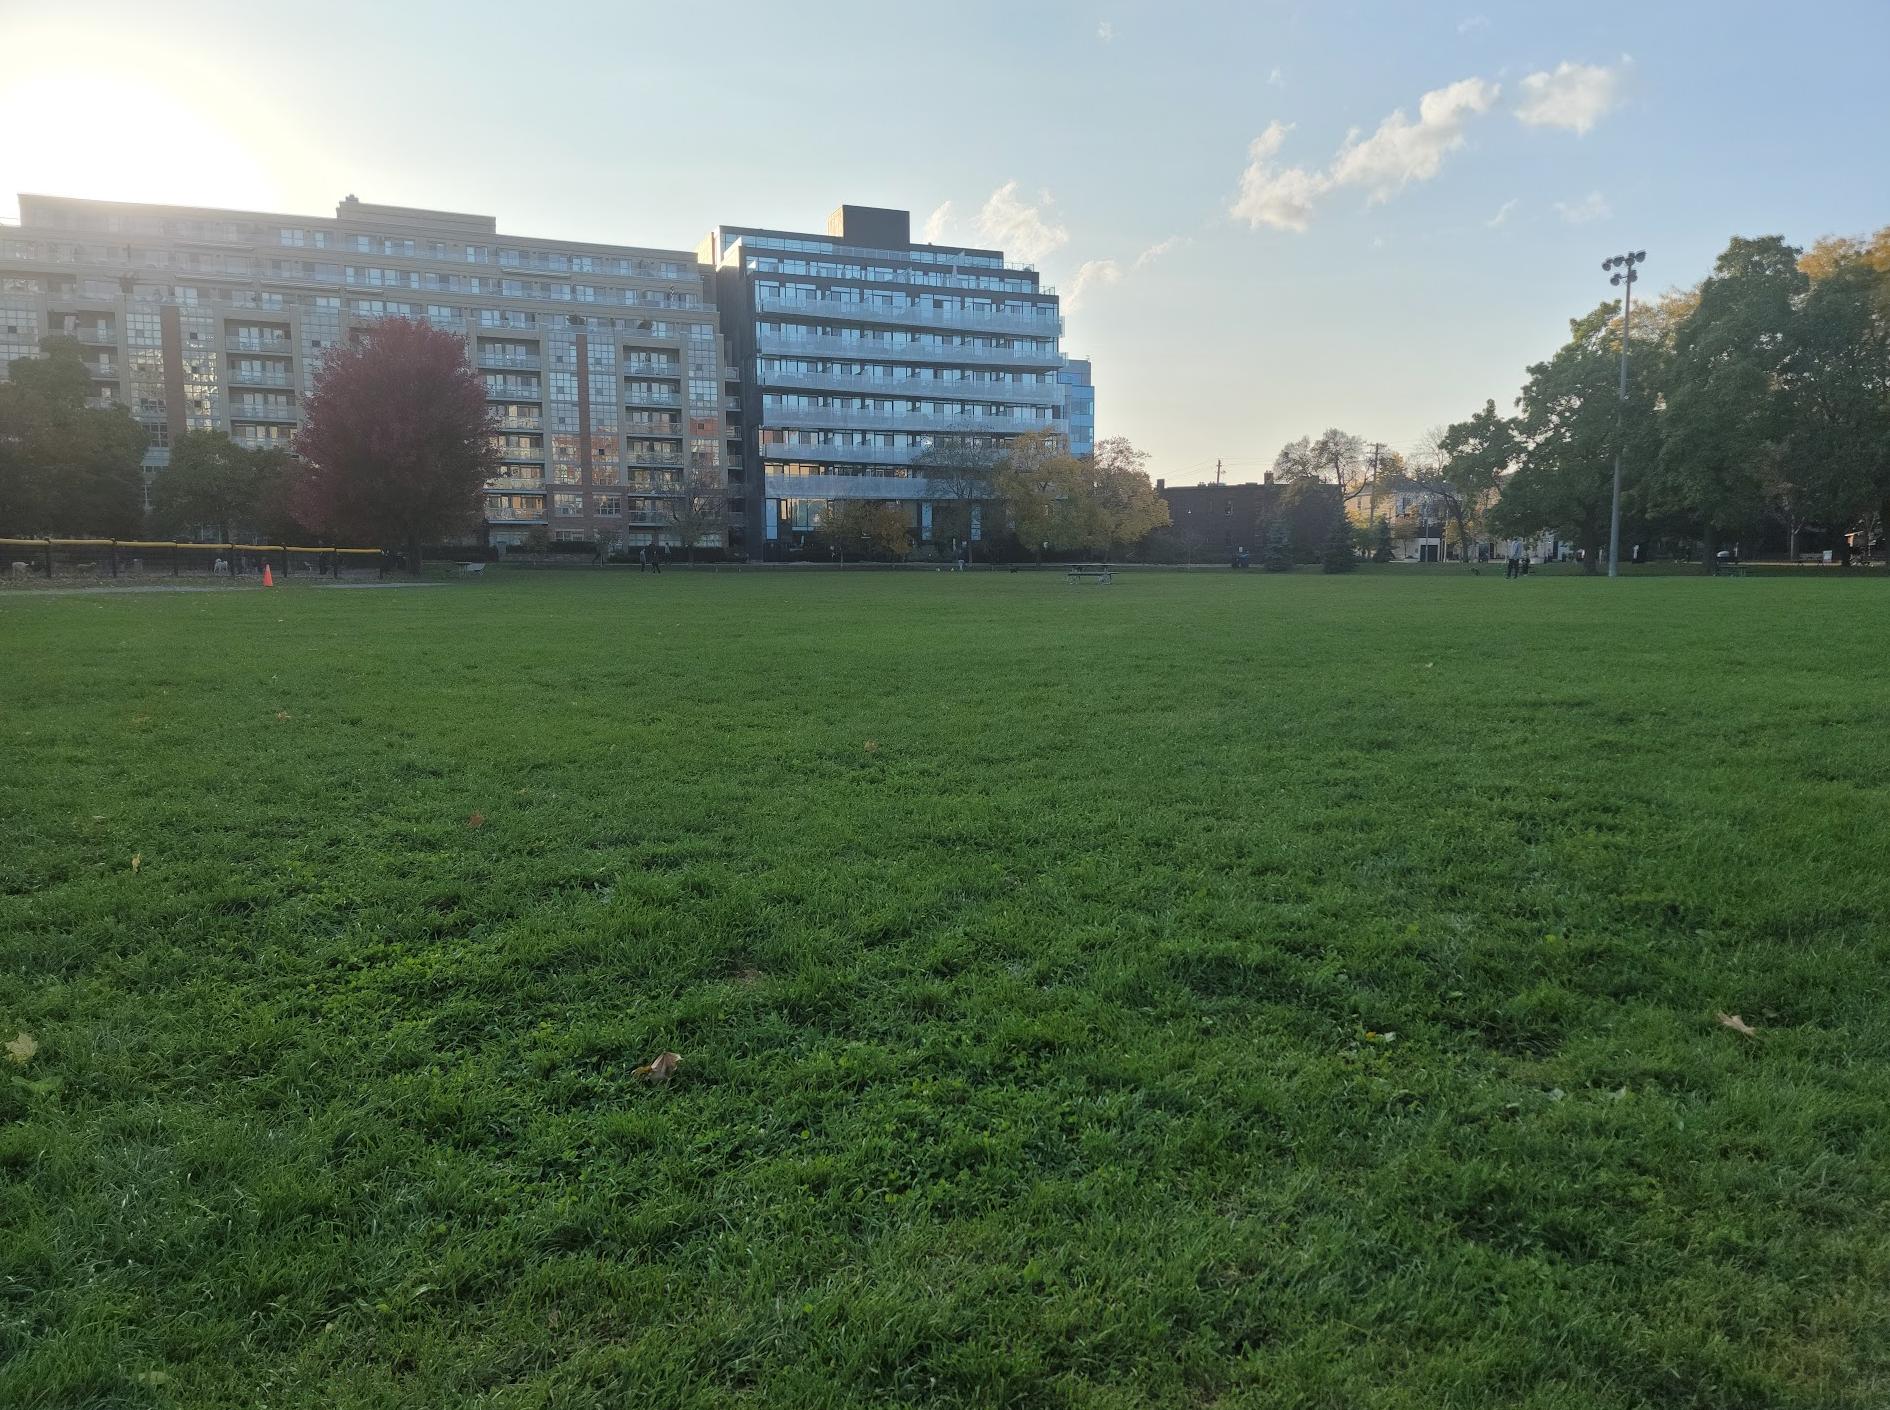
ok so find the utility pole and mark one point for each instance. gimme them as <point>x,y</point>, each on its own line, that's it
<point>1217,472</point>
<point>1624,278</point>
<point>1377,446</point>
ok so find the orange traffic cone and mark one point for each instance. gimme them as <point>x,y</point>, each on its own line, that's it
<point>269,578</point>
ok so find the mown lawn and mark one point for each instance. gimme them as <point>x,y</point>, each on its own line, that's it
<point>1230,990</point>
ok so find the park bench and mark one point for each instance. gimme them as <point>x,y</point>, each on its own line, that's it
<point>475,568</point>
<point>1090,572</point>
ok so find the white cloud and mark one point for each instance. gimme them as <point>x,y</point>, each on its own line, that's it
<point>1023,232</point>
<point>1276,79</point>
<point>1593,206</point>
<point>935,224</point>
<point>1105,31</point>
<point>1160,248</point>
<point>1402,151</point>
<point>1269,195</point>
<point>1399,152</point>
<point>1470,24</point>
<point>1502,214</point>
<point>1091,274</point>
<point>1574,96</point>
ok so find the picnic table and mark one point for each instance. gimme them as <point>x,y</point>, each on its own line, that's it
<point>1098,573</point>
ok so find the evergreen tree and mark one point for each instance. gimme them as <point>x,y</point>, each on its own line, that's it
<point>1279,555</point>
<point>1339,557</point>
<point>1382,553</point>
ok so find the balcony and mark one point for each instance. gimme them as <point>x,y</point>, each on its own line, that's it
<point>847,455</point>
<point>652,369</point>
<point>515,516</point>
<point>529,362</point>
<point>652,399</point>
<point>637,457</point>
<point>261,442</point>
<point>887,351</point>
<point>280,344</point>
<point>913,315</point>
<point>512,393</point>
<point>829,418</point>
<point>102,403</point>
<point>917,388</point>
<point>104,370</point>
<point>269,377</point>
<point>255,411</point>
<point>95,336</point>
<point>516,482</point>
<point>514,455</point>
<point>519,423</point>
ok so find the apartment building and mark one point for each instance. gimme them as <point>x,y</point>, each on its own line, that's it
<point>1079,405</point>
<point>603,364</point>
<point>856,351</point>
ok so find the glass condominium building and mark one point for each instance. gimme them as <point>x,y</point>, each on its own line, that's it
<point>855,351</point>
<point>1079,405</point>
<point>602,364</point>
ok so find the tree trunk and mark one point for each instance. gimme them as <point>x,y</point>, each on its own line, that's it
<point>1591,552</point>
<point>413,554</point>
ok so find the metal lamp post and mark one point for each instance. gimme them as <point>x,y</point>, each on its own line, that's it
<point>1623,277</point>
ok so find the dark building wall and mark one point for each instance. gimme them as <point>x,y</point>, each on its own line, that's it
<point>1210,521</point>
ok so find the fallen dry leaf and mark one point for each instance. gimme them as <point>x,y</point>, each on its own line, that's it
<point>476,820</point>
<point>1737,1024</point>
<point>658,1068</point>
<point>21,1049</point>
<point>137,860</point>
<point>282,714</point>
<point>872,746</point>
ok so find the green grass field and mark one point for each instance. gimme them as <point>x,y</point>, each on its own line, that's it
<point>1220,990</point>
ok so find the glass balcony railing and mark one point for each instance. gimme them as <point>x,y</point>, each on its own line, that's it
<point>886,350</point>
<point>913,315</point>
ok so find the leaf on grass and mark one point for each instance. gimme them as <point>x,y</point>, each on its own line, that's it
<point>282,714</point>
<point>658,1068</point>
<point>1737,1024</point>
<point>137,860</point>
<point>476,820</point>
<point>153,1378</point>
<point>872,746</point>
<point>21,1049</point>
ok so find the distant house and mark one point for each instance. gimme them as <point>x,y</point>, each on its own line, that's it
<point>1211,522</point>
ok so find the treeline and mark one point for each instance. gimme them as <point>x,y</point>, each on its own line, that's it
<point>1758,402</point>
<point>1758,408</point>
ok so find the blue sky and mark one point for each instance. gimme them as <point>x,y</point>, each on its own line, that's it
<point>1380,261</point>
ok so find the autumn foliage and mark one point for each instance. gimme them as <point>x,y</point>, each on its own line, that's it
<point>395,440</point>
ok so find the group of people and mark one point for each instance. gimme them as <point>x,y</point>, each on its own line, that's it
<point>649,559</point>
<point>1518,566</point>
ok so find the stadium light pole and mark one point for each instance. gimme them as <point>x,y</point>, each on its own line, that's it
<point>1623,277</point>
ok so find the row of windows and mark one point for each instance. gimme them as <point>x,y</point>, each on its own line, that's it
<point>897,372</point>
<point>902,406</point>
<point>871,340</point>
<point>919,253</point>
<point>880,274</point>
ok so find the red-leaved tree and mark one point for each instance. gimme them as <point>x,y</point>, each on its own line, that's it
<point>394,442</point>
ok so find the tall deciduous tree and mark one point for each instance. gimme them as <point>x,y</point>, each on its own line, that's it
<point>213,482</point>
<point>1462,469</point>
<point>1727,408</point>
<point>396,440</point>
<point>1038,483</point>
<point>66,468</point>
<point>872,527</point>
<point>1833,463</point>
<point>1566,431</point>
<point>700,511</point>
<point>1119,505</point>
<point>962,476</point>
